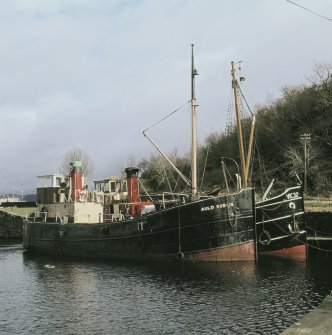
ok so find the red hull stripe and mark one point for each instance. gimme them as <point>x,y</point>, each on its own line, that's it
<point>296,253</point>
<point>241,252</point>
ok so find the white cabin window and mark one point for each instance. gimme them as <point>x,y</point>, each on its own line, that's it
<point>113,186</point>
<point>57,181</point>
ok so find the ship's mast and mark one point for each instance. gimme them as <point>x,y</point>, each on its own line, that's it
<point>193,183</point>
<point>239,126</point>
<point>193,128</point>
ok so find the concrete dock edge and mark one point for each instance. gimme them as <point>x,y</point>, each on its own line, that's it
<point>317,322</point>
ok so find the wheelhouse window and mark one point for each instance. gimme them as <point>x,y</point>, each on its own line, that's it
<point>97,186</point>
<point>113,186</point>
<point>57,181</point>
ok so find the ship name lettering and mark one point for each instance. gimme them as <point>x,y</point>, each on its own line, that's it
<point>292,195</point>
<point>207,208</point>
<point>219,206</point>
<point>224,205</point>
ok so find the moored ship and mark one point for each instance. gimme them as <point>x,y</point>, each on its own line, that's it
<point>280,219</point>
<point>113,221</point>
<point>280,223</point>
<point>116,224</point>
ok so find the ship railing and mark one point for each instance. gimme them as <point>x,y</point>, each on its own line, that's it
<point>61,219</point>
<point>85,196</point>
<point>113,218</point>
<point>167,198</point>
<point>96,196</point>
<point>36,216</point>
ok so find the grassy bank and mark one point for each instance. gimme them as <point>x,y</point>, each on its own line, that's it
<point>318,204</point>
<point>18,211</point>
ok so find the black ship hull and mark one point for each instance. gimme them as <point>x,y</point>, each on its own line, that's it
<point>280,225</point>
<point>213,229</point>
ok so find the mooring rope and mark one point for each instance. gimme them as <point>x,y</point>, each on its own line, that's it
<point>319,231</point>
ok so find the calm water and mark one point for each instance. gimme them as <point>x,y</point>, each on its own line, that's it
<point>56,296</point>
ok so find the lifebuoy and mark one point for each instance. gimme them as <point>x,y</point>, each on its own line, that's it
<point>180,255</point>
<point>266,241</point>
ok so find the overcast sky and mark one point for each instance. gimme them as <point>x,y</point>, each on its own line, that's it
<point>93,74</point>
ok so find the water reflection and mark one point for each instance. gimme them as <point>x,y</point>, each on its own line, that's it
<point>83,297</point>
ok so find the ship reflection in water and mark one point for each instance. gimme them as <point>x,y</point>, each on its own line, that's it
<point>66,296</point>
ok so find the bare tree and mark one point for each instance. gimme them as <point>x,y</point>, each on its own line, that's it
<point>158,174</point>
<point>294,157</point>
<point>322,76</point>
<point>77,154</point>
<point>322,84</point>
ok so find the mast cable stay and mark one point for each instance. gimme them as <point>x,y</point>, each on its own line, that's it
<point>309,10</point>
<point>167,116</point>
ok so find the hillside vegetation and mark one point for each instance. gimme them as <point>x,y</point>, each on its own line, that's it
<point>278,151</point>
